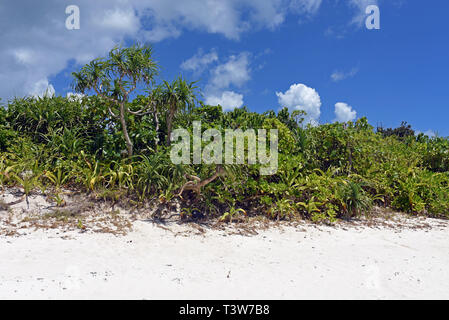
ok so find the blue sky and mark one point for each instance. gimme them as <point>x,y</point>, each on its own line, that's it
<point>310,54</point>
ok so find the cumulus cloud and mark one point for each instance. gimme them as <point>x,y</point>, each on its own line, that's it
<point>200,61</point>
<point>235,72</point>
<point>229,100</point>
<point>302,97</point>
<point>338,76</point>
<point>344,112</point>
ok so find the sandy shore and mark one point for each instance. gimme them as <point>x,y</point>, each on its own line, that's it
<point>303,262</point>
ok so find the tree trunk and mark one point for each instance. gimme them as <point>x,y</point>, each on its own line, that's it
<point>349,150</point>
<point>129,144</point>
<point>170,116</point>
<point>156,120</point>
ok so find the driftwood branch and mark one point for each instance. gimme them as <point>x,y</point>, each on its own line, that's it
<point>196,184</point>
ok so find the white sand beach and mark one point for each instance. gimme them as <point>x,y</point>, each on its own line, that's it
<point>179,262</point>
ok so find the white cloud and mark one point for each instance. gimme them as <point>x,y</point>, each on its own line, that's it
<point>41,88</point>
<point>235,72</point>
<point>122,20</point>
<point>344,112</point>
<point>305,6</point>
<point>213,16</point>
<point>337,75</point>
<point>23,56</point>
<point>227,17</point>
<point>200,61</point>
<point>229,100</point>
<point>159,33</point>
<point>302,97</point>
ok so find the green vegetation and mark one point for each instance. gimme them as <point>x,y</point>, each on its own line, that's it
<point>115,145</point>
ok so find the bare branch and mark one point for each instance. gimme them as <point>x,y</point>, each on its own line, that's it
<point>112,113</point>
<point>101,94</point>
<point>195,183</point>
<point>143,112</point>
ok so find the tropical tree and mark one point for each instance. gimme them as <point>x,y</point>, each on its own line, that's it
<point>402,132</point>
<point>115,78</point>
<point>177,96</point>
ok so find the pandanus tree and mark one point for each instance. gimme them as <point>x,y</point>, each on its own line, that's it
<point>116,77</point>
<point>178,96</point>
